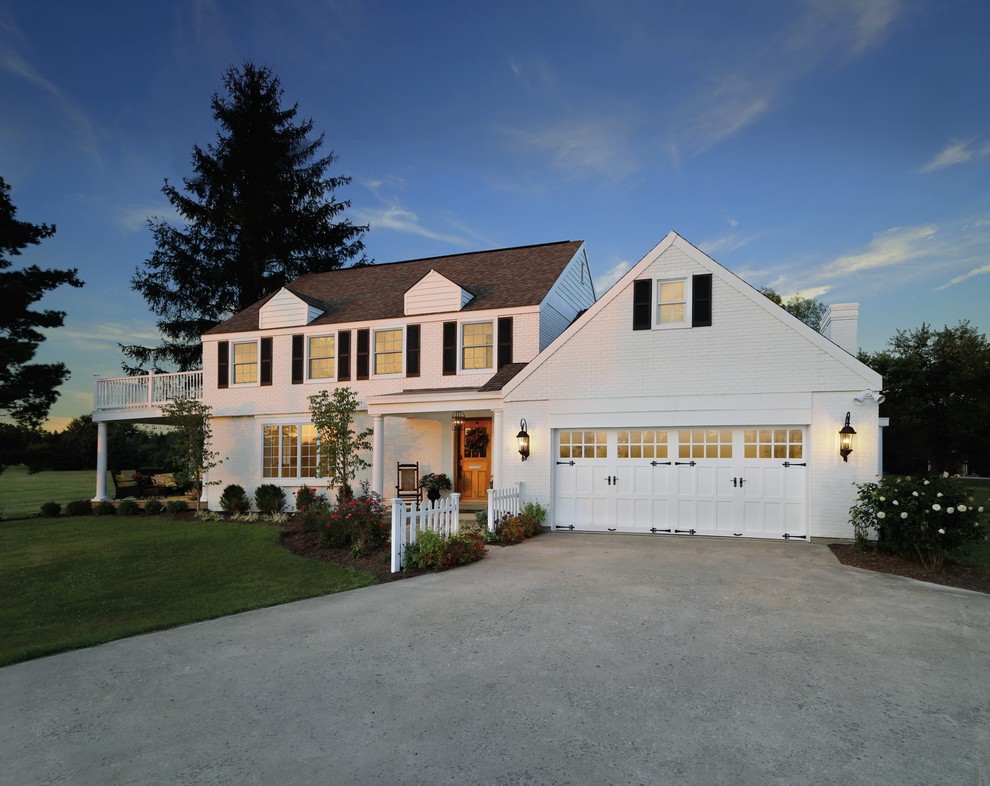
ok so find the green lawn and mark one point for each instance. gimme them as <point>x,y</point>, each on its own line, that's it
<point>22,494</point>
<point>74,582</point>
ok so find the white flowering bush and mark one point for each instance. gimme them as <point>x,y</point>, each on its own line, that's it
<point>920,517</point>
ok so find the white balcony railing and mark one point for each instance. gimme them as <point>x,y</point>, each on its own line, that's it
<point>150,390</point>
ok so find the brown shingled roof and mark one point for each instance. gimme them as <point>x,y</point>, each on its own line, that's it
<point>504,278</point>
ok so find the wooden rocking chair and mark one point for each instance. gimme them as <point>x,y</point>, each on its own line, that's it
<point>408,485</point>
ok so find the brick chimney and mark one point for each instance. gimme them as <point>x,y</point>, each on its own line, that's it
<point>841,326</point>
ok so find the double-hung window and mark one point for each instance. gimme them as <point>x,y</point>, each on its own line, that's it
<point>388,351</point>
<point>245,366</point>
<point>322,351</point>
<point>672,302</point>
<point>477,345</point>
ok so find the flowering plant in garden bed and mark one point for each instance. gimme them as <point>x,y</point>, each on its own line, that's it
<point>922,516</point>
<point>433,551</point>
<point>515,529</point>
<point>359,522</point>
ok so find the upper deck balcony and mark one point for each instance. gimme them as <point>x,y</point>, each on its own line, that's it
<point>135,398</point>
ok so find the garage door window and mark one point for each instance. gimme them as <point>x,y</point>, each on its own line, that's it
<point>705,443</point>
<point>773,443</point>
<point>583,444</point>
<point>642,444</point>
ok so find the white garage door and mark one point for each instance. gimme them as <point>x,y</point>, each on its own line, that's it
<point>742,481</point>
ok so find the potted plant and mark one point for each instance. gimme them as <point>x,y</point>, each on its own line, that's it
<point>434,483</point>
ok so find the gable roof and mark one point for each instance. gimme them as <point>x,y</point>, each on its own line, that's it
<point>504,278</point>
<point>726,275</point>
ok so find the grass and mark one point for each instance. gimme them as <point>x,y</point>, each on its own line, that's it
<point>22,494</point>
<point>74,582</point>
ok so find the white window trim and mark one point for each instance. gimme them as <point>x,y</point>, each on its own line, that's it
<point>460,346</point>
<point>257,363</point>
<point>306,358</point>
<point>373,354</point>
<point>657,324</point>
<point>278,480</point>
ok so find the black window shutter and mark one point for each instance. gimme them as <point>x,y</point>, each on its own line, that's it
<point>643,304</point>
<point>449,348</point>
<point>363,352</point>
<point>701,300</point>
<point>412,350</point>
<point>344,355</point>
<point>223,364</point>
<point>298,358</point>
<point>504,341</point>
<point>266,360</point>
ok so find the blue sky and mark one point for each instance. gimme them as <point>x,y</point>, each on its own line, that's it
<point>838,148</point>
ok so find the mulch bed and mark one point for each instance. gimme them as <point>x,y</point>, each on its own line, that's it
<point>378,563</point>
<point>953,573</point>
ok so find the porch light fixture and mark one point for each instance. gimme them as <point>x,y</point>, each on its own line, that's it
<point>846,434</point>
<point>523,438</point>
<point>457,420</point>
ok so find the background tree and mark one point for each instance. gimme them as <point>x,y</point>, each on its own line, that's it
<point>937,385</point>
<point>27,390</point>
<point>808,309</point>
<point>259,211</point>
<point>340,446</point>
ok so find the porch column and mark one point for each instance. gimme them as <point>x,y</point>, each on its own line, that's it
<point>377,457</point>
<point>101,462</point>
<point>497,442</point>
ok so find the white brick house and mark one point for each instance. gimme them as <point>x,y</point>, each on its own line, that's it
<point>682,401</point>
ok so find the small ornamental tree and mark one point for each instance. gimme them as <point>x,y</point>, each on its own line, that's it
<point>340,445</point>
<point>194,456</point>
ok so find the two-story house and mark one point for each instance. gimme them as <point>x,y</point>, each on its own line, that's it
<point>682,401</point>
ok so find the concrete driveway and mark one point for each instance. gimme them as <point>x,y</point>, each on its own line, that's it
<point>570,659</point>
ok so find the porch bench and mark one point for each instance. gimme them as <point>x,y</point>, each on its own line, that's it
<point>127,485</point>
<point>159,483</point>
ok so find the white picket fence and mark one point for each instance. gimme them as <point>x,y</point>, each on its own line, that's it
<point>409,519</point>
<point>503,502</point>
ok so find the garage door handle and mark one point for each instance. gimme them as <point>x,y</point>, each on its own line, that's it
<point>687,463</point>
<point>794,464</point>
<point>568,463</point>
<point>659,463</point>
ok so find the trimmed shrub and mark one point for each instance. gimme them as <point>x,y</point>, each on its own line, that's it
<point>153,507</point>
<point>234,499</point>
<point>307,498</point>
<point>128,507</point>
<point>921,518</point>
<point>105,508</point>
<point>269,499</point>
<point>312,508</point>
<point>79,507</point>
<point>50,510</point>
<point>360,522</point>
<point>174,506</point>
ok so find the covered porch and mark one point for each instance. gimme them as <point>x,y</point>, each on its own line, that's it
<point>472,438</point>
<point>137,399</point>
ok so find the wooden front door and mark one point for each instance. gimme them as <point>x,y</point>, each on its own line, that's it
<point>474,459</point>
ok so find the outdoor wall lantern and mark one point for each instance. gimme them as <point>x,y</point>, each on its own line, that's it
<point>846,434</point>
<point>456,421</point>
<point>523,438</point>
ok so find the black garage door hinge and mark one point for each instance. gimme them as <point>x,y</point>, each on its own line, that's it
<point>568,463</point>
<point>655,531</point>
<point>795,464</point>
<point>683,531</point>
<point>788,536</point>
<point>561,526</point>
<point>659,463</point>
<point>687,463</point>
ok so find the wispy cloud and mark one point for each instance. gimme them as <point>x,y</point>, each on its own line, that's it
<point>736,93</point>
<point>610,276</point>
<point>726,243</point>
<point>399,219</point>
<point>976,271</point>
<point>597,147</point>
<point>134,218</point>
<point>956,152</point>
<point>13,62</point>
<point>891,248</point>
